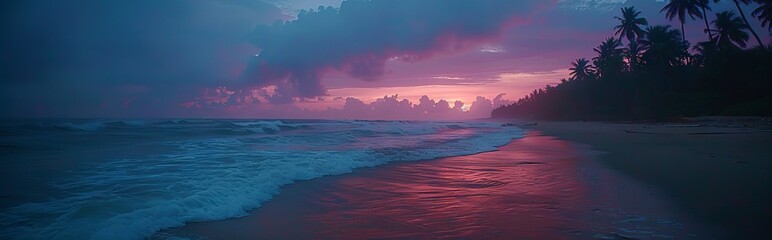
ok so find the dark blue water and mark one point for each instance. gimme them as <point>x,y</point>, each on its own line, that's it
<point>81,179</point>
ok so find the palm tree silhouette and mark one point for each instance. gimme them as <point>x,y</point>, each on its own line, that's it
<point>629,26</point>
<point>656,77</point>
<point>705,48</point>
<point>664,47</point>
<point>608,47</point>
<point>681,8</point>
<point>580,69</point>
<point>705,6</point>
<point>633,54</point>
<point>730,30</point>
<point>764,13</point>
<point>609,59</point>
<point>745,20</point>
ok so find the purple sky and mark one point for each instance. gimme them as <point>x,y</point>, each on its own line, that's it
<point>427,59</point>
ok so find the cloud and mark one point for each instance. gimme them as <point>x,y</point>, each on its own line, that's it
<point>228,103</point>
<point>393,108</point>
<point>449,78</point>
<point>360,36</point>
<point>499,101</point>
<point>293,7</point>
<point>492,48</point>
<point>591,5</point>
<point>85,57</point>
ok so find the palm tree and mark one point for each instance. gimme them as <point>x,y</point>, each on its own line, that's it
<point>681,8</point>
<point>580,69</point>
<point>704,49</point>
<point>764,13</point>
<point>664,47</point>
<point>742,14</point>
<point>609,59</point>
<point>633,54</point>
<point>705,6</point>
<point>608,47</point>
<point>629,26</point>
<point>730,29</point>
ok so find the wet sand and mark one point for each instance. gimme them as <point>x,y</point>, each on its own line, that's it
<point>718,175</point>
<point>536,187</point>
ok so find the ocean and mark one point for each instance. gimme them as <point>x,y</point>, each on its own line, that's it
<point>113,179</point>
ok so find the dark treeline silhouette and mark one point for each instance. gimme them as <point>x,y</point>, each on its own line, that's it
<point>654,76</point>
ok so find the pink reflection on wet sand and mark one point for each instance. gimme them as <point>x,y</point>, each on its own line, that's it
<point>536,187</point>
<point>529,189</point>
<point>522,190</point>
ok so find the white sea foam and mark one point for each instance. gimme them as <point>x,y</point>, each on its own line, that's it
<point>216,176</point>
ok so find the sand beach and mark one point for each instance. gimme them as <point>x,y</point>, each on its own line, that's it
<point>563,180</point>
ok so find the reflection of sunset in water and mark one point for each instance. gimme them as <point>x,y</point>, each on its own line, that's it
<point>528,189</point>
<point>519,191</point>
<point>536,187</point>
<point>440,137</point>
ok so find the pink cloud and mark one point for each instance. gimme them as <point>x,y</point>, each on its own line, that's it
<point>362,36</point>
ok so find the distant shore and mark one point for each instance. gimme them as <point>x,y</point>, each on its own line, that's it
<point>717,169</point>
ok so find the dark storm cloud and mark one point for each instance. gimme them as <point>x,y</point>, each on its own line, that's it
<point>361,36</point>
<point>90,57</point>
<point>116,35</point>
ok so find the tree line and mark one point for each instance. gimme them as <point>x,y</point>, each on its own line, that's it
<point>648,72</point>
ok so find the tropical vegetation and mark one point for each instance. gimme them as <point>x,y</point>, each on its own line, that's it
<point>657,75</point>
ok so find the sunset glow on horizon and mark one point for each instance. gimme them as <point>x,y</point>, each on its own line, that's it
<point>396,119</point>
<point>294,59</point>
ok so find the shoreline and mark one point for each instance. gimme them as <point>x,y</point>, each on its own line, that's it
<point>717,173</point>
<point>534,187</point>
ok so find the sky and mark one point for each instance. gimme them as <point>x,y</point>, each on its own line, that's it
<point>378,59</point>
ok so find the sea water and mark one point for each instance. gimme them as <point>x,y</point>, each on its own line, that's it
<point>97,179</point>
